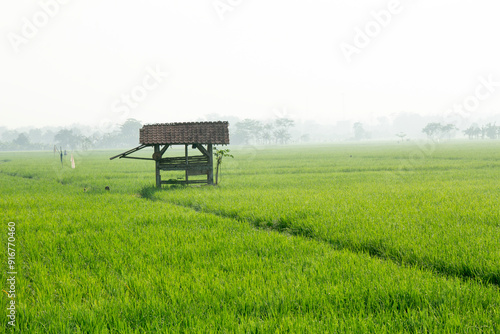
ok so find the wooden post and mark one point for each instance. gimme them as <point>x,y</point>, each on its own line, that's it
<point>210,176</point>
<point>186,150</point>
<point>158,176</point>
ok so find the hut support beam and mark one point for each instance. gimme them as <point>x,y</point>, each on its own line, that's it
<point>210,175</point>
<point>203,150</point>
<point>158,176</point>
<point>124,154</point>
<point>187,162</point>
<point>208,152</point>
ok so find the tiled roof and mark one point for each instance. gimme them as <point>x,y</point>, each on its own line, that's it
<point>185,133</point>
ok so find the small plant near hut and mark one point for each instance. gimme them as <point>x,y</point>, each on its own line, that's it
<point>219,155</point>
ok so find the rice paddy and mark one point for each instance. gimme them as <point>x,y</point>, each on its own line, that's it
<point>366,238</point>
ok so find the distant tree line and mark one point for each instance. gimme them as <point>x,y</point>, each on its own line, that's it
<point>247,131</point>
<point>251,131</point>
<point>490,130</point>
<point>440,131</point>
<point>126,135</point>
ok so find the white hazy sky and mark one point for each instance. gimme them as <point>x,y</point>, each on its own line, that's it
<point>252,58</point>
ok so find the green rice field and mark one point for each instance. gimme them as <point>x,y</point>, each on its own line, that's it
<point>339,238</point>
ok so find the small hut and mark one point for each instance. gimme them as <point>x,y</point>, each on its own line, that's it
<point>198,135</point>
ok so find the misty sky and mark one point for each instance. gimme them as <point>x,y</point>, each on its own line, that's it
<point>99,62</point>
